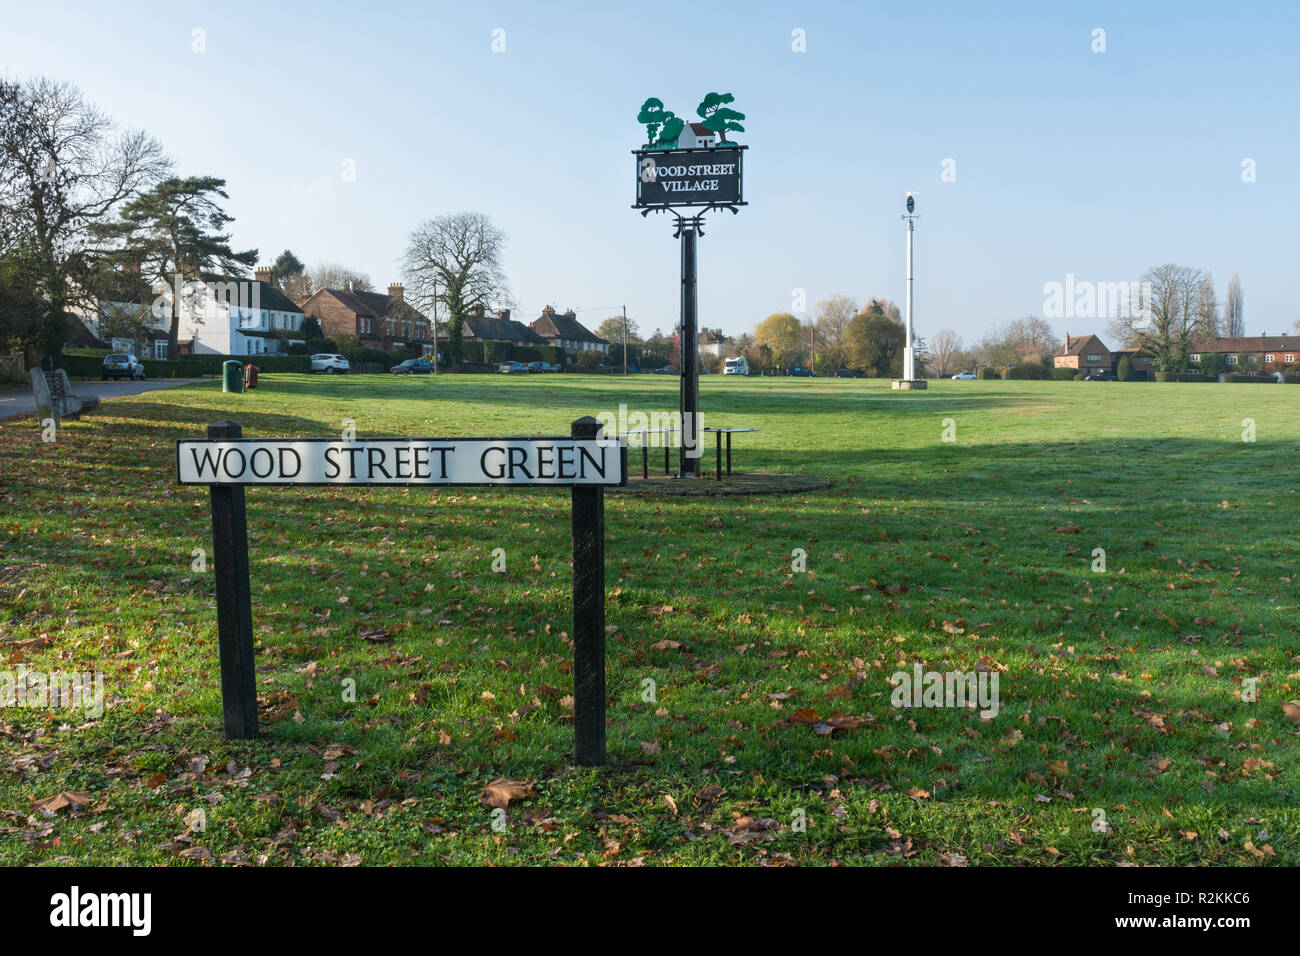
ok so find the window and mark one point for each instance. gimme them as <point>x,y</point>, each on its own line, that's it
<point>1094,358</point>
<point>1232,360</point>
<point>1194,357</point>
<point>1290,358</point>
<point>1268,357</point>
<point>160,348</point>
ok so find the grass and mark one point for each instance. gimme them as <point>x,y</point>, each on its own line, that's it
<point>1122,733</point>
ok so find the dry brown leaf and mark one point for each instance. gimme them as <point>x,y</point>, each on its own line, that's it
<point>500,792</point>
<point>61,800</point>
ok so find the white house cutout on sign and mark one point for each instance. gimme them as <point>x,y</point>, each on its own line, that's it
<point>559,461</point>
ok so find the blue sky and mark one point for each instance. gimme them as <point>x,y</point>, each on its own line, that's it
<point>1066,160</point>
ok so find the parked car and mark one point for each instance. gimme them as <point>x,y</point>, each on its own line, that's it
<point>121,365</point>
<point>1104,375</point>
<point>665,370</point>
<point>964,376</point>
<point>541,368</point>
<point>847,373</point>
<point>512,368</point>
<point>736,365</point>
<point>329,364</point>
<point>413,367</point>
<point>798,371</point>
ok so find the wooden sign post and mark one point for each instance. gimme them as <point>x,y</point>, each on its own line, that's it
<point>584,461</point>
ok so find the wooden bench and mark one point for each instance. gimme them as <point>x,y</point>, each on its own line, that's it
<point>55,398</point>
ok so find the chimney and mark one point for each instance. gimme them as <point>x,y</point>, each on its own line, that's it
<point>548,311</point>
<point>395,291</point>
<point>262,274</point>
<point>1067,341</point>
<point>503,314</point>
<point>477,310</point>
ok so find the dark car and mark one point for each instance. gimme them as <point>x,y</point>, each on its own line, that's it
<point>541,368</point>
<point>1104,375</point>
<point>121,365</point>
<point>413,367</point>
<point>798,371</point>
<point>847,373</point>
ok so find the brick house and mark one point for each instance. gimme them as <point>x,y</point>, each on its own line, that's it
<point>1086,354</point>
<point>1142,361</point>
<point>564,330</point>
<point>379,321</point>
<point>1260,353</point>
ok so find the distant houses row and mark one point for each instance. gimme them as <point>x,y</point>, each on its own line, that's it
<point>1261,353</point>
<point>254,317</point>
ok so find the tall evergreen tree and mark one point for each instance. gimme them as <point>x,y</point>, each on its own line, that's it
<point>176,229</point>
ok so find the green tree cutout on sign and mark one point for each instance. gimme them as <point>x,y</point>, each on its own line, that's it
<point>664,127</point>
<point>718,117</point>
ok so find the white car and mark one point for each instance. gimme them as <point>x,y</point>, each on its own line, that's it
<point>964,376</point>
<point>121,364</point>
<point>329,364</point>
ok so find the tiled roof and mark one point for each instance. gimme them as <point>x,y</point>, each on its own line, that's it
<point>1081,344</point>
<point>1256,343</point>
<point>490,328</point>
<point>375,305</point>
<point>555,326</point>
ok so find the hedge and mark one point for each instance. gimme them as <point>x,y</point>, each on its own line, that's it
<point>1247,377</point>
<point>1027,373</point>
<point>1064,374</point>
<point>987,373</point>
<point>188,366</point>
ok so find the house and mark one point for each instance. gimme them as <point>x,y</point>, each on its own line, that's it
<point>379,321</point>
<point>481,327</point>
<point>1260,353</point>
<point>122,321</point>
<point>695,136</point>
<point>711,342</point>
<point>1087,354</point>
<point>236,317</point>
<point>566,332</point>
<point>1141,361</point>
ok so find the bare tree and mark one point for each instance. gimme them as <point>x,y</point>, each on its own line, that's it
<point>1170,324</point>
<point>455,260</point>
<point>1031,336</point>
<point>64,167</point>
<point>1234,319</point>
<point>327,275</point>
<point>1207,310</point>
<point>945,352</point>
<point>832,327</point>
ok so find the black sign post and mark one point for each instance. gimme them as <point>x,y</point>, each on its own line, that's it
<point>584,461</point>
<point>690,371</point>
<point>588,615</point>
<point>234,601</point>
<point>711,178</point>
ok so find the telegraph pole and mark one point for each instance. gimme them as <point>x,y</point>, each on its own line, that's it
<point>624,340</point>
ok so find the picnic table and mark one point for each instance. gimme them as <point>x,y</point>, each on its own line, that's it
<point>719,432</point>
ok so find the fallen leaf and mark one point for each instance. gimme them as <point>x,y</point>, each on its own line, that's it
<point>500,792</point>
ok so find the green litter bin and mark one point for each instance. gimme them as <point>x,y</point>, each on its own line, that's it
<point>232,377</point>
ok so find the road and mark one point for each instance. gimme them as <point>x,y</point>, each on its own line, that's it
<point>23,402</point>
